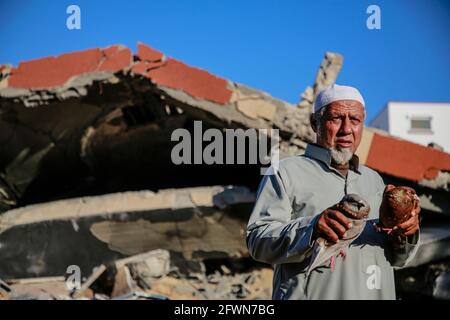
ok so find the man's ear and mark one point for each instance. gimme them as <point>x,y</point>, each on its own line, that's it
<point>313,122</point>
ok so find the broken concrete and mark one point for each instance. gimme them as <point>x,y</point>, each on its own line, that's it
<point>37,289</point>
<point>440,181</point>
<point>154,275</point>
<point>253,285</point>
<point>127,276</point>
<point>198,223</point>
<point>90,116</point>
<point>326,75</point>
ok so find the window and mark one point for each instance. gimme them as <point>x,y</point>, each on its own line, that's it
<point>420,124</point>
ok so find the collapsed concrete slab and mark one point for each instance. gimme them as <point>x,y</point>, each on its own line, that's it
<point>198,223</point>
<point>96,122</point>
<point>93,113</point>
<point>326,75</point>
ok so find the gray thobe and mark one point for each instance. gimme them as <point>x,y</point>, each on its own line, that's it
<point>279,231</point>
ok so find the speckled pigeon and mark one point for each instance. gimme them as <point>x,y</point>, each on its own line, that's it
<point>356,209</point>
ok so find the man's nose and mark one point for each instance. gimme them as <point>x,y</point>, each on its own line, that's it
<point>346,127</point>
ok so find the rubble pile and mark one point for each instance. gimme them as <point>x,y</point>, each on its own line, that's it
<point>153,275</point>
<point>89,186</point>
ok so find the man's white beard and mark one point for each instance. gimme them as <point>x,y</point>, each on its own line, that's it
<point>341,156</point>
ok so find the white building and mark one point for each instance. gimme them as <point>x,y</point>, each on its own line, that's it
<point>419,122</point>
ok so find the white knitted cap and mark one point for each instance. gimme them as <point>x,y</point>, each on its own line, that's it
<point>336,92</point>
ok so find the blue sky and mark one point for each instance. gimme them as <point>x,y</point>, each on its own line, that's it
<point>275,46</point>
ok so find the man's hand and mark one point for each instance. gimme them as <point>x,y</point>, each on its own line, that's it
<point>331,225</point>
<point>410,226</point>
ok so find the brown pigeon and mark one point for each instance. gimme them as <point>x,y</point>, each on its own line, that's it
<point>396,207</point>
<point>356,209</point>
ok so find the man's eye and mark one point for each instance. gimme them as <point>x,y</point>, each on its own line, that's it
<point>355,121</point>
<point>335,119</point>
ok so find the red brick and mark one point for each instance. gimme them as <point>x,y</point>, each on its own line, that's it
<point>116,59</point>
<point>155,65</point>
<point>405,159</point>
<point>140,68</point>
<point>111,50</point>
<point>145,53</point>
<point>54,71</point>
<point>196,82</point>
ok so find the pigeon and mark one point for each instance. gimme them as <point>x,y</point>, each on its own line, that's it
<point>396,207</point>
<point>324,253</point>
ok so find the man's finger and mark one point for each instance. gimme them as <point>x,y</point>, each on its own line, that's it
<point>339,217</point>
<point>408,223</point>
<point>407,231</point>
<point>329,233</point>
<point>337,227</point>
<point>414,226</point>
<point>411,231</point>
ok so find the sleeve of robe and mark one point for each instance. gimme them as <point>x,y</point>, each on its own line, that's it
<point>272,237</point>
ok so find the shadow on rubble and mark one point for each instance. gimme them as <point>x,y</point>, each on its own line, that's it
<point>133,160</point>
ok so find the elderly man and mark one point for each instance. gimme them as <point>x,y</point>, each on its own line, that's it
<point>296,205</point>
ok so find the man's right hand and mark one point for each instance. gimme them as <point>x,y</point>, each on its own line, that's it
<point>331,225</point>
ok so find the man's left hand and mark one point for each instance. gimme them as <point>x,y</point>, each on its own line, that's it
<point>410,226</point>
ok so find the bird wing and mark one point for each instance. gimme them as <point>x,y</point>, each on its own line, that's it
<point>322,251</point>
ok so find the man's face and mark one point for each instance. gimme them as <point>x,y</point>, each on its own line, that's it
<point>341,126</point>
